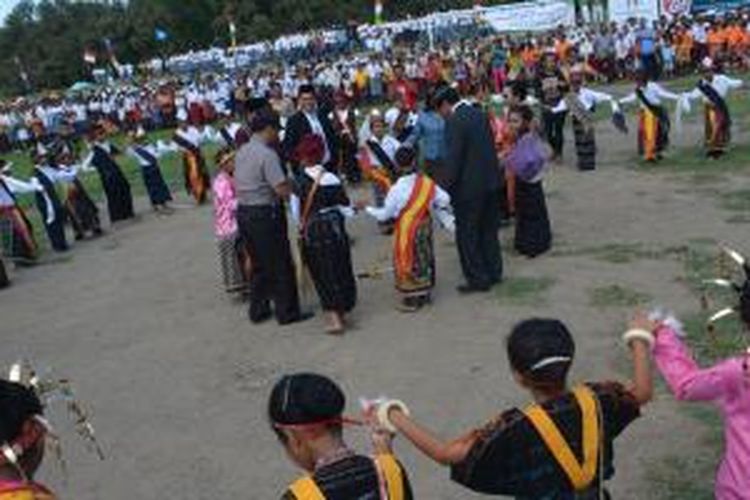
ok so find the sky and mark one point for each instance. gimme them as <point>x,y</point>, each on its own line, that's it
<point>5,7</point>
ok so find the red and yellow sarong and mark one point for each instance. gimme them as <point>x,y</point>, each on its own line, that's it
<point>412,254</point>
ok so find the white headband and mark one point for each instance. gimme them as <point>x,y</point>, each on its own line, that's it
<point>552,360</point>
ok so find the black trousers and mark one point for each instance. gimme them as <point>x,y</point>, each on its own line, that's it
<point>264,229</point>
<point>4,280</point>
<point>554,124</point>
<point>477,226</point>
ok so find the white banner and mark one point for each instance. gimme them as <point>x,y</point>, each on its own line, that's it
<point>622,10</point>
<point>676,8</point>
<point>531,16</point>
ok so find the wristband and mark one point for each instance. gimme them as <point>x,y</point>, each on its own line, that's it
<point>638,334</point>
<point>384,412</point>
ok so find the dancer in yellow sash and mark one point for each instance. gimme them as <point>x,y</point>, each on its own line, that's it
<point>411,203</point>
<point>306,413</point>
<point>559,447</point>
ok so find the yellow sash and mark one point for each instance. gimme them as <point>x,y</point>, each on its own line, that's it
<point>580,475</point>
<point>306,489</point>
<point>388,469</point>
<point>408,222</point>
<point>393,477</point>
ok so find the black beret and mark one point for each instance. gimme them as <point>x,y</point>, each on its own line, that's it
<point>305,398</point>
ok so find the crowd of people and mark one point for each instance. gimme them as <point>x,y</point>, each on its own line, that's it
<point>459,137</point>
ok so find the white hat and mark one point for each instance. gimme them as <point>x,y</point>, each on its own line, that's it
<point>707,63</point>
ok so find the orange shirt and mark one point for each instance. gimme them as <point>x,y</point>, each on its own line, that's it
<point>735,36</point>
<point>562,48</point>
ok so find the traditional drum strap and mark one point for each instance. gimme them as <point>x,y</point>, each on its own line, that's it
<point>581,475</point>
<point>390,478</point>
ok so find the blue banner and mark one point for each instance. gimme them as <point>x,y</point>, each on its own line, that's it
<point>719,5</point>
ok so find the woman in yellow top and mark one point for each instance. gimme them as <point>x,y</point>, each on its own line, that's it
<point>306,413</point>
<point>22,437</point>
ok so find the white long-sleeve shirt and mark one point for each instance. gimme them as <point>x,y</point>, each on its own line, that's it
<point>156,150</point>
<point>388,144</point>
<point>653,92</point>
<point>16,186</point>
<point>722,84</point>
<point>399,195</point>
<point>57,175</point>
<point>588,99</point>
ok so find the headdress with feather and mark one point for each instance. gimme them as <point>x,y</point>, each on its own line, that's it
<point>49,390</point>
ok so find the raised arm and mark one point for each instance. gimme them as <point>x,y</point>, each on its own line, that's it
<point>394,202</point>
<point>732,83</point>
<point>639,338</point>
<point>629,99</point>
<point>18,186</point>
<point>443,452</point>
<point>664,93</point>
<point>686,380</point>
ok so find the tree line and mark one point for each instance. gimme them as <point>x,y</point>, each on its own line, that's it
<point>46,39</point>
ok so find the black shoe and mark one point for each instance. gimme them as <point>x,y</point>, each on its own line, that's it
<point>301,317</point>
<point>257,317</point>
<point>469,289</point>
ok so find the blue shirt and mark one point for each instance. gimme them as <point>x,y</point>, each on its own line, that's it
<point>430,132</point>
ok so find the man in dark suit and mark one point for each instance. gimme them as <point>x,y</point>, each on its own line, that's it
<point>471,175</point>
<point>310,120</point>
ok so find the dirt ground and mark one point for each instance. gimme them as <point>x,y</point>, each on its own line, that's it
<point>177,378</point>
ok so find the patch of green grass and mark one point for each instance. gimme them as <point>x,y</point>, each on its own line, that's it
<point>679,477</point>
<point>736,201</point>
<point>617,296</point>
<point>523,290</point>
<point>692,160</point>
<point>738,219</point>
<point>618,253</point>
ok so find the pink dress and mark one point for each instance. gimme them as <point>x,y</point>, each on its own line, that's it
<point>225,206</point>
<point>726,386</point>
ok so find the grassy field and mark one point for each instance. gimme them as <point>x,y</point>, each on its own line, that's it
<point>171,167</point>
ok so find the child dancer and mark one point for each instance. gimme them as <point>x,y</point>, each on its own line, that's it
<point>377,155</point>
<point>411,202</point>
<point>713,89</point>
<point>534,453</point>
<point>232,254</point>
<point>526,161</point>
<point>306,413</point>
<point>147,156</point>
<point>726,385</point>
